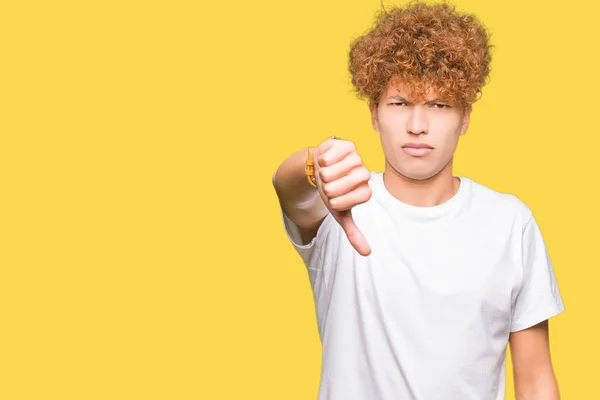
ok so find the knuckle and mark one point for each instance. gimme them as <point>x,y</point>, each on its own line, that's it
<point>327,190</point>
<point>365,175</point>
<point>336,204</point>
<point>333,204</point>
<point>368,194</point>
<point>355,160</point>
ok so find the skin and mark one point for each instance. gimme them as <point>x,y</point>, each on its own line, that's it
<point>427,180</point>
<point>533,372</point>
<point>424,181</point>
<point>417,180</point>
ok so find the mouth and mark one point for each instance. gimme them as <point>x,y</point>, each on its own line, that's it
<point>417,146</point>
<point>417,149</point>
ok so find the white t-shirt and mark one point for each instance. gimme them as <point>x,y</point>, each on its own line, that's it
<point>427,315</point>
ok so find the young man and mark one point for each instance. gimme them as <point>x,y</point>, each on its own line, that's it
<point>421,278</point>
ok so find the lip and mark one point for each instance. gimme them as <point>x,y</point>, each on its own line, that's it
<point>417,146</point>
<point>417,149</point>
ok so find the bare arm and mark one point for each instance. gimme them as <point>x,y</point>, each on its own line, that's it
<point>532,366</point>
<point>342,180</point>
<point>299,200</point>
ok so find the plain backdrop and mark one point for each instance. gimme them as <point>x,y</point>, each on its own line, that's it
<point>142,252</point>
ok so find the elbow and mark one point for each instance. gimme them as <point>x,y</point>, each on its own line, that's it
<point>542,386</point>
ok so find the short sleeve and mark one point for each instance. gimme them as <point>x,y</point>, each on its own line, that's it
<point>539,297</point>
<point>311,253</point>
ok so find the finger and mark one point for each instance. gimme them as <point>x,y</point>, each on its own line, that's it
<point>335,153</point>
<point>358,196</point>
<point>325,146</point>
<point>354,235</point>
<point>346,184</point>
<point>340,169</point>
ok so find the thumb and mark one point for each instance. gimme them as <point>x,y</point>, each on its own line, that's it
<point>355,236</point>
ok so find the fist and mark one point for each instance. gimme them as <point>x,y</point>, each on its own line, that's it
<point>343,182</point>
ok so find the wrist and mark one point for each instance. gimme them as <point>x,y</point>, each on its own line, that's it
<point>309,168</point>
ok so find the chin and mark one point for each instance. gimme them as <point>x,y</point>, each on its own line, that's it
<point>417,174</point>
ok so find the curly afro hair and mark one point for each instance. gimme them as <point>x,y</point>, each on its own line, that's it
<point>421,46</point>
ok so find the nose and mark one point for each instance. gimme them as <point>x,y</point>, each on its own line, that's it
<point>417,122</point>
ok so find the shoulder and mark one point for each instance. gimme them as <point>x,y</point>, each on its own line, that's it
<point>504,205</point>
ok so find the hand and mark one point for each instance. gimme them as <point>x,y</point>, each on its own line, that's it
<point>342,181</point>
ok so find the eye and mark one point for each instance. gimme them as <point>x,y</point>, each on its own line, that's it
<point>398,104</point>
<point>440,105</point>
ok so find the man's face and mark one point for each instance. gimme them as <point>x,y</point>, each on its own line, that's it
<point>418,137</point>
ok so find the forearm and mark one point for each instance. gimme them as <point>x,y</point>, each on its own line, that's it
<point>541,386</point>
<point>299,200</point>
<point>289,180</point>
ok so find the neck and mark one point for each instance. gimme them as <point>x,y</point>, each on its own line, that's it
<point>428,192</point>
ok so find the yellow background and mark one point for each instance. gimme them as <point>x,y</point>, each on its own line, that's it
<point>142,254</point>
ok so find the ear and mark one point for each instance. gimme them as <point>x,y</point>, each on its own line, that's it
<point>466,119</point>
<point>374,119</point>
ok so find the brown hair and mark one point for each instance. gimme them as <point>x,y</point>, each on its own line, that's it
<point>422,45</point>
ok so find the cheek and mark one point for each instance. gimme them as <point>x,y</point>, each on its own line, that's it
<point>391,125</point>
<point>449,133</point>
<point>391,138</point>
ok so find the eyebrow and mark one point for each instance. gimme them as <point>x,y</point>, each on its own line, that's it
<point>400,98</point>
